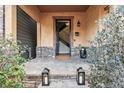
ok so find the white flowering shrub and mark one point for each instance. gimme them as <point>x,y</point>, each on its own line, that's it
<point>107,52</point>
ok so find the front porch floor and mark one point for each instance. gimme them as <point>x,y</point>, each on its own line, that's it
<point>61,70</point>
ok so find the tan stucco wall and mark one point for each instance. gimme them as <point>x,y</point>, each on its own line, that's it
<point>93,14</point>
<point>88,28</point>
<point>45,33</point>
<point>32,10</point>
<point>47,38</point>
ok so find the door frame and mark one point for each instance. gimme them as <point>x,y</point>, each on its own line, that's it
<point>71,30</point>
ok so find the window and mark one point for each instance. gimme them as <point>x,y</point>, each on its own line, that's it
<point>1,21</point>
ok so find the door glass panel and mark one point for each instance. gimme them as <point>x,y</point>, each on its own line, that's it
<point>63,36</point>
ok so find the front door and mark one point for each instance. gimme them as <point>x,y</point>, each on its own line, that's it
<point>63,29</point>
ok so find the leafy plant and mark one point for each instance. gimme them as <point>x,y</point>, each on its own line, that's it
<point>106,52</point>
<point>11,64</point>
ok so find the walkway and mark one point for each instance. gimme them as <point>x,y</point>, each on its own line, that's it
<point>61,70</point>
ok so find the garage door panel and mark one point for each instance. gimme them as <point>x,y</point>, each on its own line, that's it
<point>26,31</point>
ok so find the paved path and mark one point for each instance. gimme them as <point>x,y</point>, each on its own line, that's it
<point>36,66</point>
<point>60,68</point>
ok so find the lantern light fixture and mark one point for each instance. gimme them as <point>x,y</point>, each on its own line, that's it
<point>83,52</point>
<point>45,77</point>
<point>78,23</point>
<point>80,76</point>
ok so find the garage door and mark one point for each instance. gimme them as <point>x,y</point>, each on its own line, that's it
<point>26,31</point>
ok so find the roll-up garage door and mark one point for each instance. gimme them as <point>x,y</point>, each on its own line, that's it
<point>26,31</point>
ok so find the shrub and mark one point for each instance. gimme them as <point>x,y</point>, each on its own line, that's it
<point>11,64</point>
<point>106,52</point>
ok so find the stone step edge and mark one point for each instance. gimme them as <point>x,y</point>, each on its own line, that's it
<point>34,84</point>
<point>52,75</point>
<point>54,80</point>
<point>31,84</point>
<point>39,77</point>
<point>36,81</point>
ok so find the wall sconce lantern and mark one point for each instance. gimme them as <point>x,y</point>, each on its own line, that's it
<point>107,9</point>
<point>78,23</point>
<point>80,76</point>
<point>45,77</point>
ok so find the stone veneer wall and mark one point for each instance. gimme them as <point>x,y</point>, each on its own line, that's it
<point>75,51</point>
<point>44,52</point>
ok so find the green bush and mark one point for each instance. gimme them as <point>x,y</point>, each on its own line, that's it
<point>11,64</point>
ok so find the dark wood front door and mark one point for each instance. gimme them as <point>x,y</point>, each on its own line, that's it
<point>63,30</point>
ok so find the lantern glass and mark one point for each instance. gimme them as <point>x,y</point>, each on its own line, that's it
<point>81,79</point>
<point>45,78</point>
<point>78,23</point>
<point>80,76</point>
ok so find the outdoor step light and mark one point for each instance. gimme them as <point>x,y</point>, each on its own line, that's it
<point>83,53</point>
<point>80,76</point>
<point>45,77</point>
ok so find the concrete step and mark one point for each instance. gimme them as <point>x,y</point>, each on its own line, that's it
<point>33,81</point>
<point>32,78</point>
<point>35,67</point>
<point>55,76</point>
<point>62,72</point>
<point>31,84</point>
<point>64,83</point>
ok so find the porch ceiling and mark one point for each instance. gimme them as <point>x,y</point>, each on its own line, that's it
<point>63,8</point>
